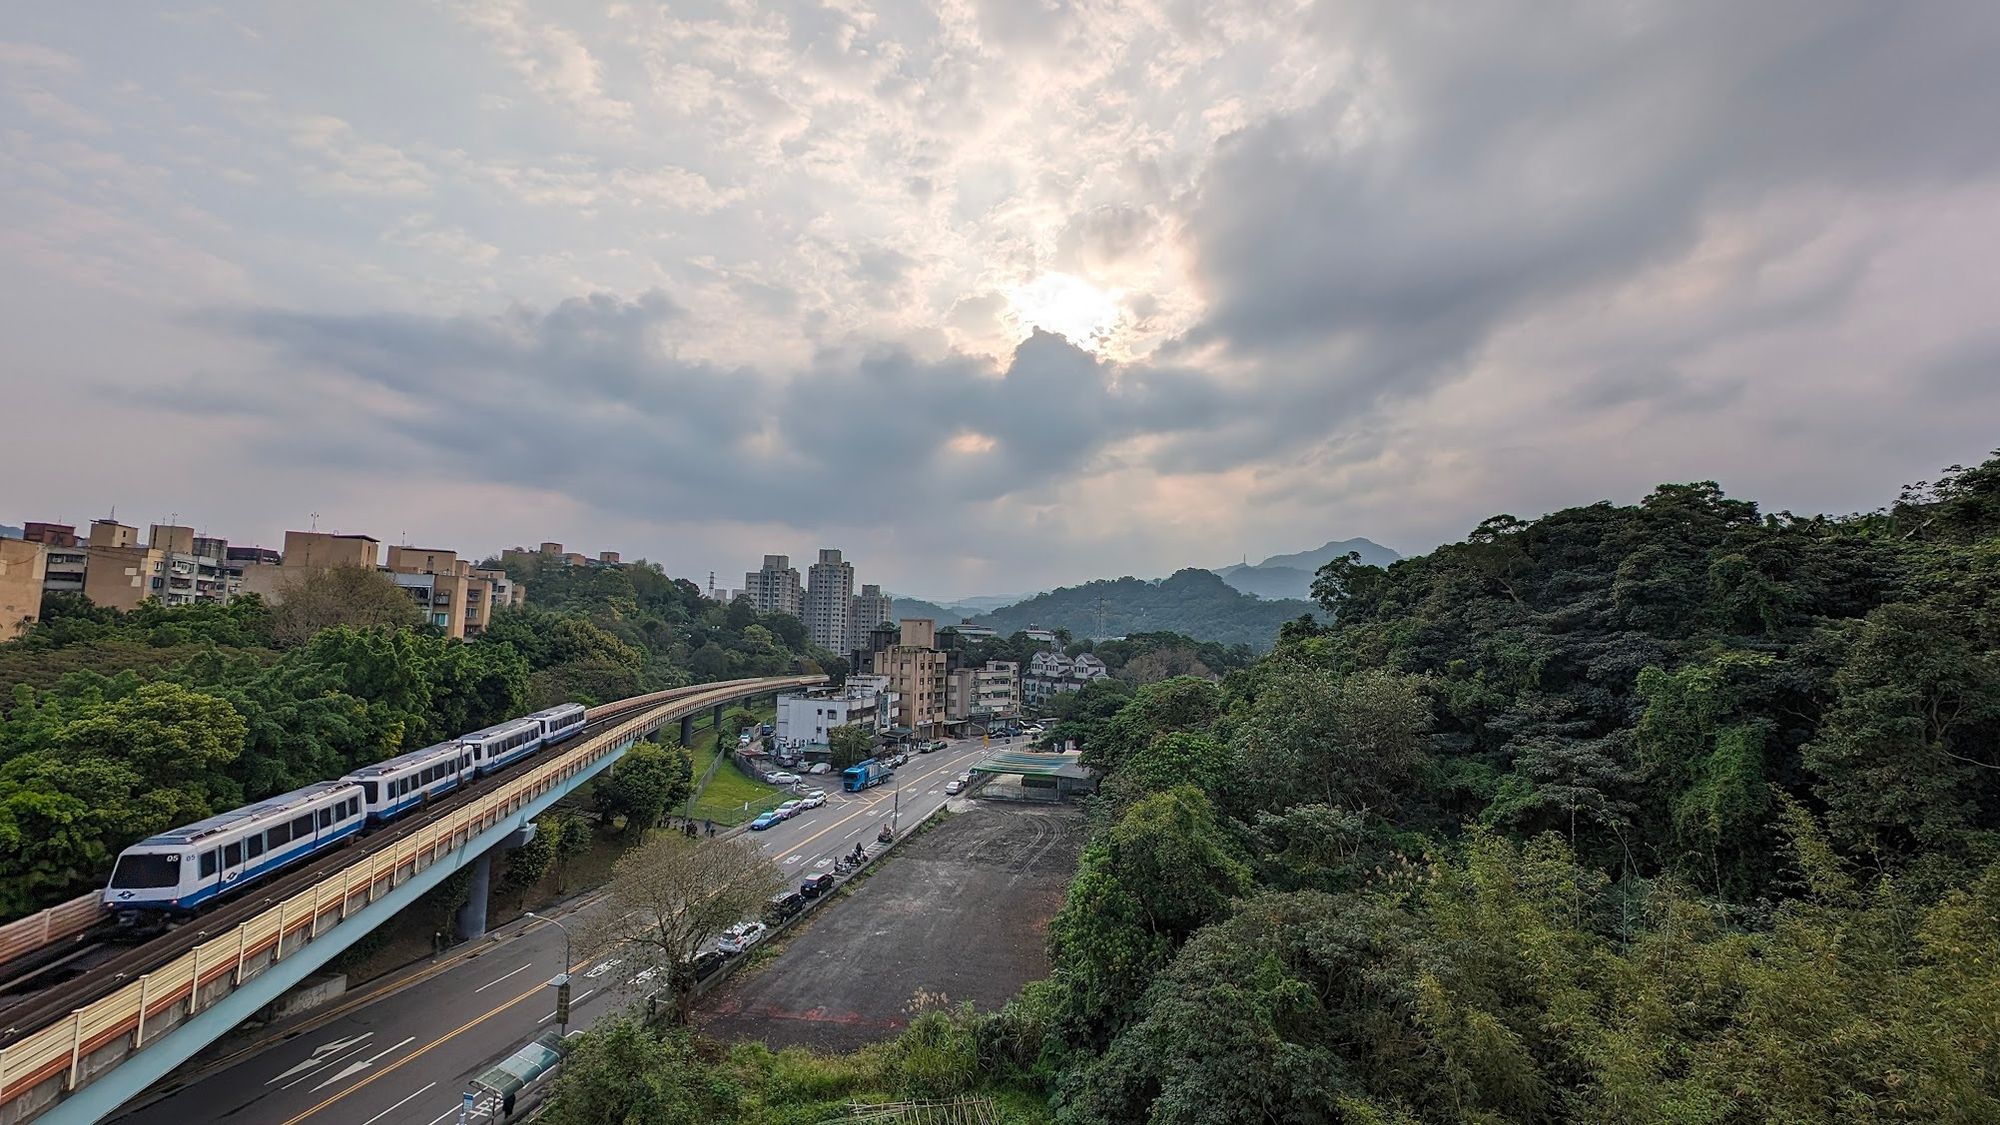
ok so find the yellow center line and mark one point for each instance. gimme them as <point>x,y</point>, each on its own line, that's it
<point>864,806</point>
<point>418,1053</point>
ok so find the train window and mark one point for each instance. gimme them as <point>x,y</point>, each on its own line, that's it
<point>232,854</point>
<point>255,845</point>
<point>326,818</point>
<point>352,805</point>
<point>281,835</point>
<point>302,826</point>
<point>208,863</point>
<point>368,789</point>
<point>155,870</point>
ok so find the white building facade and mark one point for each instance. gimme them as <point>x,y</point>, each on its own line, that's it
<point>805,718</point>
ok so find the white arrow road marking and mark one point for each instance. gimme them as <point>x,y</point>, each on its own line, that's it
<point>322,1055</point>
<point>355,1068</point>
<point>491,983</point>
<point>397,1106</point>
<point>793,858</point>
<point>645,976</point>
<point>604,968</point>
<point>822,864</point>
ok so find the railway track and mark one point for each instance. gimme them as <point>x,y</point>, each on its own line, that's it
<point>97,963</point>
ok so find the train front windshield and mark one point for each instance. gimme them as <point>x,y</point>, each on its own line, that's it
<point>147,871</point>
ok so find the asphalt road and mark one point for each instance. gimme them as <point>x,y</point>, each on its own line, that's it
<point>406,1057</point>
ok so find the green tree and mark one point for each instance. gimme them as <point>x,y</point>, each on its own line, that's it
<point>643,785</point>
<point>850,744</point>
<point>352,596</point>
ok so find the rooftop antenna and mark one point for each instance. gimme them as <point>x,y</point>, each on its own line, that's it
<point>315,519</point>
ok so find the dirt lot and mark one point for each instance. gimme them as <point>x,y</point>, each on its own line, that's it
<point>961,910</point>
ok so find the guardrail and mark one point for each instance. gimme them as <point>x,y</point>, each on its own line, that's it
<point>68,919</point>
<point>178,991</point>
<point>63,920</point>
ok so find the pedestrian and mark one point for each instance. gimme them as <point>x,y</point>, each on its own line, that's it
<point>709,825</point>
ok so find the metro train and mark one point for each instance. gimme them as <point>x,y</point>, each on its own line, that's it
<point>180,871</point>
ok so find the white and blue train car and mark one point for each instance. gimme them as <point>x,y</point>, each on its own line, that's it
<point>177,872</point>
<point>497,747</point>
<point>391,788</point>
<point>559,722</point>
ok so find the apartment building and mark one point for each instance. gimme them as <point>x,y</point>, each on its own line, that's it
<point>866,610</point>
<point>916,673</point>
<point>829,600</point>
<point>1051,674</point>
<point>805,718</point>
<point>450,593</point>
<point>992,691</point>
<point>775,588</point>
<point>304,551</point>
<point>49,534</point>
<point>23,566</point>
<point>174,565</point>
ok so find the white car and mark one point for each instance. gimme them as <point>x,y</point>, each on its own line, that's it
<point>954,787</point>
<point>741,937</point>
<point>783,779</point>
<point>812,799</point>
<point>821,767</point>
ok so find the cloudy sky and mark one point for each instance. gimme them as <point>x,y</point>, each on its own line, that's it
<point>994,294</point>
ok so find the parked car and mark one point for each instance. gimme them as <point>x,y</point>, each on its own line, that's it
<point>788,810</point>
<point>783,778</point>
<point>820,768</point>
<point>816,885</point>
<point>765,820</point>
<point>899,760</point>
<point>707,963</point>
<point>927,747</point>
<point>741,936</point>
<point>812,798</point>
<point>954,787</point>
<point>783,905</point>
<point>766,728</point>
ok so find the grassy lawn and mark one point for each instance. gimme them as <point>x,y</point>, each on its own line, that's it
<point>729,791</point>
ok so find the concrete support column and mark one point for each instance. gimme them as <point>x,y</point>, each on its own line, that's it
<point>472,916</point>
<point>687,730</point>
<point>717,721</point>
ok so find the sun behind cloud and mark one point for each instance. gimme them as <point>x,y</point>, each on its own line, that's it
<point>1066,305</point>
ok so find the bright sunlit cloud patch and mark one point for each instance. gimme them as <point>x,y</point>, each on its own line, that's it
<point>1067,306</point>
<point>967,441</point>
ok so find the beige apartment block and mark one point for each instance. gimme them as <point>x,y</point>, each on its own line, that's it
<point>23,567</point>
<point>916,672</point>
<point>323,549</point>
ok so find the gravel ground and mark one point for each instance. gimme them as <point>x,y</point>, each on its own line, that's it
<point>960,911</point>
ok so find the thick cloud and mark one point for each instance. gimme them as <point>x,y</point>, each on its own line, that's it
<point>589,399</point>
<point>729,280</point>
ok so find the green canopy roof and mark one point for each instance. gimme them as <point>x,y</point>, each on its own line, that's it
<point>1029,762</point>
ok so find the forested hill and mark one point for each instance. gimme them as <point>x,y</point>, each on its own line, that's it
<point>1678,811</point>
<point>1192,602</point>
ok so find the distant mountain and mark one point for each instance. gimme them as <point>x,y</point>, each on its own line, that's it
<point>9,531</point>
<point>1291,576</point>
<point>917,607</point>
<point>1197,603</point>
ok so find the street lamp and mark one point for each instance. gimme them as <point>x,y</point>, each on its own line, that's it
<point>561,982</point>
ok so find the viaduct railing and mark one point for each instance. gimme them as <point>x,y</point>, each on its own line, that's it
<point>51,1062</point>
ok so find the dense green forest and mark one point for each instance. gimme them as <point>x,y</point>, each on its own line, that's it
<point>1679,811</point>
<point>114,726</point>
<point>1192,602</point>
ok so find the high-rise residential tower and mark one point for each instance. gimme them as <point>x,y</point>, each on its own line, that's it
<point>775,589</point>
<point>869,608</point>
<point>829,594</point>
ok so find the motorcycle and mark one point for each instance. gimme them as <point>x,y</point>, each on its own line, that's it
<point>884,836</point>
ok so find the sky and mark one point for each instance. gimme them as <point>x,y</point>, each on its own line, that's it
<point>991,294</point>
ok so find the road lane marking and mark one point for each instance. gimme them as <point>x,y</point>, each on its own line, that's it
<point>397,1106</point>
<point>355,1068</point>
<point>417,1054</point>
<point>604,967</point>
<point>322,1055</point>
<point>515,973</point>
